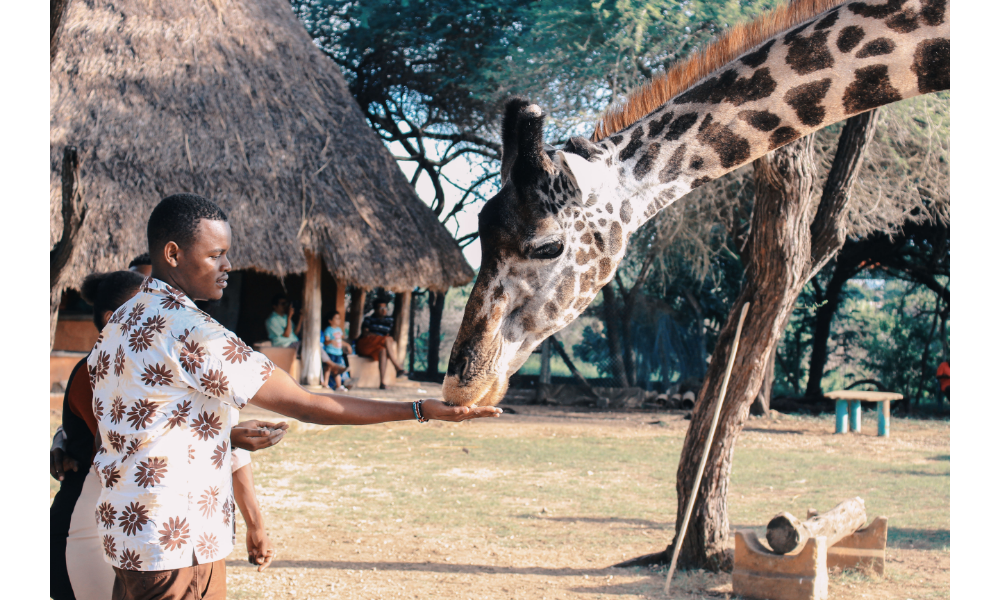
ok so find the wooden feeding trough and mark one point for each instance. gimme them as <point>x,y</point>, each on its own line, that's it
<point>809,548</point>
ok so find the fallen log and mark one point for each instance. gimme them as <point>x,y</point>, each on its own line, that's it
<point>786,534</point>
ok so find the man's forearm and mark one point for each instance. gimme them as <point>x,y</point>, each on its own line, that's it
<point>283,395</point>
<point>246,498</point>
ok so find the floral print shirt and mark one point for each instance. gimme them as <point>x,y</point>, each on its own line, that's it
<point>167,380</point>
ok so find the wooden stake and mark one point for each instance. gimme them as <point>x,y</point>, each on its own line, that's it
<point>708,445</point>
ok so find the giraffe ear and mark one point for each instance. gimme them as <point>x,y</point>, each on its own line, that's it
<point>582,173</point>
<point>508,127</point>
<point>531,159</point>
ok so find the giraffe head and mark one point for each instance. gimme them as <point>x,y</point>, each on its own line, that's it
<point>551,238</point>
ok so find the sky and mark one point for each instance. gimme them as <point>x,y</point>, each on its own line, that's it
<point>462,172</point>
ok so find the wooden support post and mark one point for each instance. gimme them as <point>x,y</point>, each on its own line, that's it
<point>401,325</point>
<point>856,415</point>
<point>312,307</point>
<point>340,301</point>
<point>883,418</point>
<point>357,313</point>
<point>841,416</point>
<point>411,350</point>
<point>545,376</point>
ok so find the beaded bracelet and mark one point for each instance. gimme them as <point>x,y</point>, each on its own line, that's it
<point>418,413</point>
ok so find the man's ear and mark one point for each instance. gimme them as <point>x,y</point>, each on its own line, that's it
<point>171,251</point>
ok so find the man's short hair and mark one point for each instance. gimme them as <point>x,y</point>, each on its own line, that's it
<point>140,261</point>
<point>175,219</point>
<point>278,298</point>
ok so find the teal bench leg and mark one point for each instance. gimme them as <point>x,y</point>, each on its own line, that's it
<point>883,418</point>
<point>842,416</point>
<point>856,415</point>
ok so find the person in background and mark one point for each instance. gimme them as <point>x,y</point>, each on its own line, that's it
<point>335,347</point>
<point>141,264</point>
<point>376,340</point>
<point>944,378</point>
<point>76,569</point>
<point>279,323</point>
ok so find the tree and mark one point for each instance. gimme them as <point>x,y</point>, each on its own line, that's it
<point>786,247</point>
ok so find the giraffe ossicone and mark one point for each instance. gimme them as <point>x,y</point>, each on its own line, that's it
<point>558,228</point>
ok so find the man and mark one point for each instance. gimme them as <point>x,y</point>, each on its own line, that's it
<point>167,379</point>
<point>279,323</point>
<point>141,264</point>
<point>376,340</point>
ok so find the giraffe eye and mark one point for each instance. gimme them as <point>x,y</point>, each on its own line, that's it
<point>550,250</point>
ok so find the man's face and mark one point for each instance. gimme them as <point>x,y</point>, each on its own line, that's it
<point>202,267</point>
<point>281,307</point>
<point>380,309</point>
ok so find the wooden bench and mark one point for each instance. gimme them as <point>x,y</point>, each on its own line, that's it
<point>856,397</point>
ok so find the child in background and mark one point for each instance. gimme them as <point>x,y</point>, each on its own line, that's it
<point>334,345</point>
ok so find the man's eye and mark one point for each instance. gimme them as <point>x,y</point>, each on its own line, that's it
<point>550,250</point>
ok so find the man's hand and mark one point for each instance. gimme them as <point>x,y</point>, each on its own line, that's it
<point>260,552</point>
<point>257,435</point>
<point>291,311</point>
<point>59,461</point>
<point>435,409</point>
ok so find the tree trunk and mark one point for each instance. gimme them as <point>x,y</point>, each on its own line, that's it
<point>74,210</point>
<point>612,333</point>
<point>787,535</point>
<point>436,301</point>
<point>785,251</point>
<point>821,331</point>
<point>780,261</point>
<point>357,313</point>
<point>762,402</point>
<point>312,309</point>
<point>401,326</point>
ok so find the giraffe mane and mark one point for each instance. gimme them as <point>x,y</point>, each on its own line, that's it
<point>732,44</point>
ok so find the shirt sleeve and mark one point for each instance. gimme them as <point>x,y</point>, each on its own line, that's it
<point>241,458</point>
<point>220,365</point>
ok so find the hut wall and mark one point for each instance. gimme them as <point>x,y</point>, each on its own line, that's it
<point>75,333</point>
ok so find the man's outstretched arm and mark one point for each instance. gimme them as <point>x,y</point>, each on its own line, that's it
<point>281,394</point>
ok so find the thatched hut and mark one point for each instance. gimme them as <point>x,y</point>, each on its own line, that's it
<point>230,99</point>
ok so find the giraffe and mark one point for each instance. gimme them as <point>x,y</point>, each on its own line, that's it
<point>557,229</point>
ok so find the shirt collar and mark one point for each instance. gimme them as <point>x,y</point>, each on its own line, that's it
<point>156,286</point>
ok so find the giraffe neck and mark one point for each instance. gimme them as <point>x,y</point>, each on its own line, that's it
<point>850,59</point>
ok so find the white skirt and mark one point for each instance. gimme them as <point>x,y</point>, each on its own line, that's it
<point>91,576</point>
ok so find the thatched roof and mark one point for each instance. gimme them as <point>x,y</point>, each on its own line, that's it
<point>230,99</point>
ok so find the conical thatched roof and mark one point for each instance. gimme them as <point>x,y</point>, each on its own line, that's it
<point>230,99</point>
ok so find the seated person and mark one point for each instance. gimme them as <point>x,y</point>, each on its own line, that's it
<point>279,323</point>
<point>376,341</point>
<point>335,347</point>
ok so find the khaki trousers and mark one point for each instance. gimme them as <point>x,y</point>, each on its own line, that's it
<point>200,582</point>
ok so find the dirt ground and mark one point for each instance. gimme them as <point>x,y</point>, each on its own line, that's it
<point>394,511</point>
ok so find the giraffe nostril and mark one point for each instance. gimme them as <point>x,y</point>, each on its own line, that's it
<point>463,368</point>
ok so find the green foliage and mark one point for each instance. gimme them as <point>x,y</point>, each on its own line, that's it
<point>574,56</point>
<point>889,330</point>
